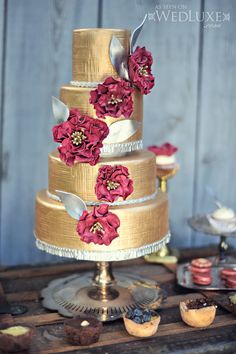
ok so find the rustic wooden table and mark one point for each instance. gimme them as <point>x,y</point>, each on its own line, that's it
<point>23,286</point>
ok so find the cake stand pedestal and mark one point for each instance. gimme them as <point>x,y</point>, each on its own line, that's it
<point>164,174</point>
<point>102,295</point>
<point>201,224</point>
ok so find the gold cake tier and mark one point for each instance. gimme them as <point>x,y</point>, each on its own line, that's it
<point>78,97</point>
<point>80,179</point>
<point>91,59</point>
<point>141,225</point>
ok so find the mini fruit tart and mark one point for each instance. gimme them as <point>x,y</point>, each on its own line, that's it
<point>15,338</point>
<point>141,322</point>
<point>198,313</point>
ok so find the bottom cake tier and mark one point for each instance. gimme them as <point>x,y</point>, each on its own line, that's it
<point>143,229</point>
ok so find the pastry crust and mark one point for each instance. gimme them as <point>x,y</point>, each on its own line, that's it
<point>202,317</point>
<point>146,329</point>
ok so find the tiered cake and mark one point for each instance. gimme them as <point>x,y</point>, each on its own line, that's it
<point>143,211</point>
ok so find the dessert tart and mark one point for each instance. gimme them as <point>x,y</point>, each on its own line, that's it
<point>83,330</point>
<point>198,313</point>
<point>15,338</point>
<point>141,322</point>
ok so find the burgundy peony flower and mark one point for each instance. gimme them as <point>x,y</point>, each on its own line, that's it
<point>80,138</point>
<point>113,98</point>
<point>99,226</point>
<point>165,149</point>
<point>139,65</point>
<point>113,182</point>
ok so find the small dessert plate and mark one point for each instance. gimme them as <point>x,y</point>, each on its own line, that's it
<point>184,278</point>
<point>222,225</point>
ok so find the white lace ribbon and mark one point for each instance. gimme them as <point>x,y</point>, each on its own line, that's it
<point>119,203</point>
<point>106,256</point>
<point>85,83</point>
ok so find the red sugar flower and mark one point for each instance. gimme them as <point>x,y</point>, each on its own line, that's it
<point>139,64</point>
<point>113,98</point>
<point>99,226</point>
<point>80,138</point>
<point>165,149</point>
<point>113,182</point>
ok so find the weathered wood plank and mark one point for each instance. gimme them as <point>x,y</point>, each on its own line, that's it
<point>38,283</point>
<point>173,335</point>
<point>216,148</point>
<point>38,61</point>
<point>210,341</point>
<point>121,336</point>
<point>23,296</point>
<point>170,110</point>
<point>59,269</point>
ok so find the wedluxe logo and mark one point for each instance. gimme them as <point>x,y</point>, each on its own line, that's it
<point>181,14</point>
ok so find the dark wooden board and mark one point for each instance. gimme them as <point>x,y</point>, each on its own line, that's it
<point>23,286</point>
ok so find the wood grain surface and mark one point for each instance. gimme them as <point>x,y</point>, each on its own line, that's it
<point>23,286</point>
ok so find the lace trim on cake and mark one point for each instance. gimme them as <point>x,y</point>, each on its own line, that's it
<point>118,255</point>
<point>85,83</point>
<point>123,202</point>
<point>122,147</point>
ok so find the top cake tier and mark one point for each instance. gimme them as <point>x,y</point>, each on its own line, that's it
<point>91,60</point>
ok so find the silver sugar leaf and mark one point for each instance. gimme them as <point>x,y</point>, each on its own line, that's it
<point>135,34</point>
<point>122,130</point>
<point>119,58</point>
<point>74,205</point>
<point>60,111</point>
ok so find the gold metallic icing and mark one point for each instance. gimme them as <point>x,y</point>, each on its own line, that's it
<point>80,179</point>
<point>140,224</point>
<point>78,97</point>
<point>90,57</point>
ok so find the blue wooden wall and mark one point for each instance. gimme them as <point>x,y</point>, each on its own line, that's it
<point>192,106</point>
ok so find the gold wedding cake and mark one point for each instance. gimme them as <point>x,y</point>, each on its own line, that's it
<point>135,211</point>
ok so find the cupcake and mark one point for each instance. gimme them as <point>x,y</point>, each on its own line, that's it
<point>82,330</point>
<point>198,313</point>
<point>15,338</point>
<point>223,220</point>
<point>165,155</point>
<point>141,322</point>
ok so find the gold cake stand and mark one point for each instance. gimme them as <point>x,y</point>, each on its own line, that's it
<point>164,175</point>
<point>102,294</point>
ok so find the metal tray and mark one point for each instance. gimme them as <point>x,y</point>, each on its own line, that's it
<point>184,278</point>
